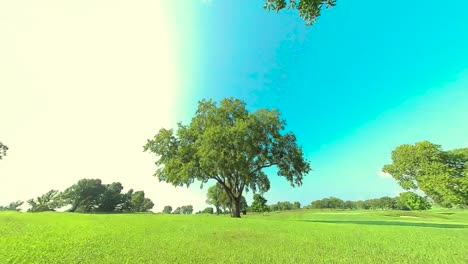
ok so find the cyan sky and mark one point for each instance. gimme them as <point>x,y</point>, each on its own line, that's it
<point>369,76</point>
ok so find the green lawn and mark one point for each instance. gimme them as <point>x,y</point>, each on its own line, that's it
<point>439,236</point>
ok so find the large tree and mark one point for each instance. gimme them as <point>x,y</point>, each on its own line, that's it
<point>441,175</point>
<point>84,195</point>
<point>3,150</point>
<point>309,10</point>
<point>230,145</point>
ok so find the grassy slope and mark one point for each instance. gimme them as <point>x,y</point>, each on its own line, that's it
<point>294,237</point>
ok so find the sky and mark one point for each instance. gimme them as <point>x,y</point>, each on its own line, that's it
<point>84,84</point>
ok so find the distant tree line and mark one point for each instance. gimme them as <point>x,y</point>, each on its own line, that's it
<point>89,195</point>
<point>285,206</point>
<point>406,201</point>
<point>13,206</point>
<point>185,209</point>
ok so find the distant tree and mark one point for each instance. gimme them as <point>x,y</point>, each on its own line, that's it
<point>90,195</point>
<point>297,205</point>
<point>187,209</point>
<point>309,10</point>
<point>414,201</point>
<point>84,195</point>
<point>140,203</point>
<point>3,150</point>
<point>167,209</point>
<point>218,197</point>
<point>441,175</point>
<point>386,203</point>
<point>46,202</point>
<point>363,204</point>
<point>350,205</point>
<point>259,204</point>
<point>274,207</point>
<point>208,210</point>
<point>284,206</point>
<point>13,206</point>
<point>111,198</point>
<point>328,203</point>
<point>228,144</point>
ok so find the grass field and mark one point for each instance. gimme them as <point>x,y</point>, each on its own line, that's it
<point>293,237</point>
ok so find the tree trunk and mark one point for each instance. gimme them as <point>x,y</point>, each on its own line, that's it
<point>235,201</point>
<point>236,204</point>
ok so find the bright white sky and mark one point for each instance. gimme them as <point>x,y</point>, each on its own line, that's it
<point>83,84</point>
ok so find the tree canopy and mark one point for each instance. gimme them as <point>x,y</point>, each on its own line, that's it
<point>284,206</point>
<point>167,209</point>
<point>406,201</point>
<point>3,150</point>
<point>185,209</point>
<point>413,201</point>
<point>230,145</point>
<point>259,204</point>
<point>309,10</point>
<point>441,175</point>
<point>208,210</point>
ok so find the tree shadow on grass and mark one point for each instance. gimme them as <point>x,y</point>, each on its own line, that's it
<point>390,223</point>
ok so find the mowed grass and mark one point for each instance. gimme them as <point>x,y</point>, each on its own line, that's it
<point>304,236</point>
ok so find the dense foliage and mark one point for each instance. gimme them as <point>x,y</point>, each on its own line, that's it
<point>3,150</point>
<point>90,195</point>
<point>284,206</point>
<point>167,209</point>
<point>185,209</point>
<point>228,144</point>
<point>441,175</point>
<point>259,204</point>
<point>406,201</point>
<point>309,10</point>
<point>208,210</point>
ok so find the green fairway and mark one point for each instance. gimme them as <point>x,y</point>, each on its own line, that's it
<point>294,237</point>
